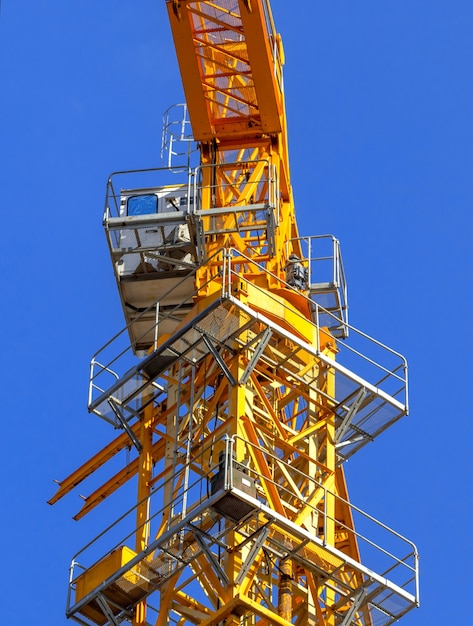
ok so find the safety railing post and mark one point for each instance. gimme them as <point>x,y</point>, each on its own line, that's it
<point>156,321</point>
<point>224,274</point>
<point>325,517</point>
<point>228,462</point>
<point>190,193</point>
<point>337,252</point>
<point>416,566</point>
<point>309,259</point>
<point>91,378</point>
<point>406,386</point>
<point>69,587</point>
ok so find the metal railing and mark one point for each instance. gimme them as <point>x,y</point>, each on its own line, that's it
<point>371,389</point>
<point>327,283</point>
<point>276,45</point>
<point>185,503</point>
<point>382,549</point>
<point>237,185</point>
<point>370,359</point>
<point>370,378</point>
<point>142,181</point>
<point>114,368</point>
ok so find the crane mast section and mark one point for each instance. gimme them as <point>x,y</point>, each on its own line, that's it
<point>232,381</point>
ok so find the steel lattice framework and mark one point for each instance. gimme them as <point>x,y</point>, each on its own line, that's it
<point>238,400</point>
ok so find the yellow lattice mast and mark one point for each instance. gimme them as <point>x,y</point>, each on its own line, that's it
<point>233,386</point>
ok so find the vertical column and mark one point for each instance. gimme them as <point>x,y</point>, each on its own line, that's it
<point>236,408</point>
<point>313,449</point>
<point>145,462</point>
<point>330,462</point>
<point>285,591</point>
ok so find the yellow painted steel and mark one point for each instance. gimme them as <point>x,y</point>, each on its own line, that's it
<point>281,418</point>
<point>145,475</point>
<point>90,579</point>
<point>231,58</point>
<point>271,428</point>
<point>231,70</point>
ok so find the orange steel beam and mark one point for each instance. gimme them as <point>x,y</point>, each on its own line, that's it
<point>263,64</point>
<point>116,481</point>
<point>90,466</point>
<point>190,73</point>
<point>230,67</point>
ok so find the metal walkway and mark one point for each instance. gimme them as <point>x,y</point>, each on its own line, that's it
<point>365,404</point>
<point>107,586</point>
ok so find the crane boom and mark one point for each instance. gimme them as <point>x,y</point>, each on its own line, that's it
<point>233,383</point>
<point>231,59</point>
<point>231,65</point>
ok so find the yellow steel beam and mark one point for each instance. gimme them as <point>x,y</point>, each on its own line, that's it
<point>116,481</point>
<point>145,472</point>
<point>262,467</point>
<point>314,589</point>
<point>266,67</point>
<point>190,72</point>
<point>241,604</point>
<point>94,463</point>
<point>267,405</point>
<point>242,36</point>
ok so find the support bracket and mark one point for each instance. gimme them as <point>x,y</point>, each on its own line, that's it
<point>213,561</point>
<point>106,610</point>
<point>218,358</point>
<point>255,548</point>
<point>124,424</point>
<point>357,602</point>
<point>352,411</point>
<point>260,348</point>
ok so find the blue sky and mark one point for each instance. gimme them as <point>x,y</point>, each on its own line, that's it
<point>379,97</point>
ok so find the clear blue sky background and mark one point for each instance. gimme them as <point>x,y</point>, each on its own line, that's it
<point>379,104</point>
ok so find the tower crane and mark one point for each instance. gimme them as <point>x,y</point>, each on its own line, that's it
<point>237,387</point>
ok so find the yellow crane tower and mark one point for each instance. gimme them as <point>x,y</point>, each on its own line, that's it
<point>237,386</point>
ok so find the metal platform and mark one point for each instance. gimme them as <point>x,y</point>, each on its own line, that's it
<point>327,283</point>
<point>157,232</point>
<point>365,403</point>
<point>152,247</point>
<point>106,586</point>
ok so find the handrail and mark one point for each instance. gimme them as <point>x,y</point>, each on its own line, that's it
<point>166,480</point>
<point>148,175</point>
<point>269,177</point>
<point>122,531</point>
<point>109,364</point>
<point>327,493</point>
<point>286,285</point>
<point>225,262</point>
<point>346,345</point>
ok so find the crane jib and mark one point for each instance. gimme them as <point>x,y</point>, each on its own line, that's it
<point>231,66</point>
